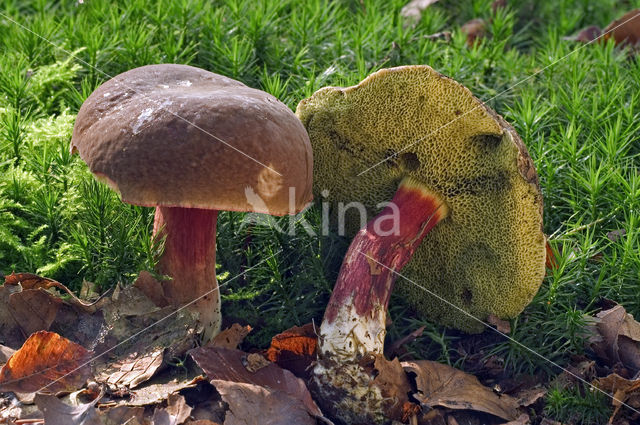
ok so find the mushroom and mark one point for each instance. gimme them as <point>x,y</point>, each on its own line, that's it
<point>488,256</point>
<point>345,378</point>
<point>190,143</point>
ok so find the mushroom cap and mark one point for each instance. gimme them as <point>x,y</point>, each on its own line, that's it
<point>488,256</point>
<point>179,136</point>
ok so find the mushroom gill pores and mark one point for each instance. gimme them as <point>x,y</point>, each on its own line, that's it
<point>488,255</point>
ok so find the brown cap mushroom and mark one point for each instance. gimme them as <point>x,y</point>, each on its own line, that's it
<point>488,255</point>
<point>192,142</point>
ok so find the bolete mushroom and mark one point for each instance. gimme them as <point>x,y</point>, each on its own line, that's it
<point>191,143</point>
<point>488,256</point>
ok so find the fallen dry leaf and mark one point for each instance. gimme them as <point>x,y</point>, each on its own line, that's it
<point>501,325</point>
<point>122,415</point>
<point>5,353</point>
<point>617,337</point>
<point>46,361</point>
<point>521,420</point>
<point>394,386</point>
<point>615,235</point>
<point>231,337</point>
<point>251,404</point>
<point>622,390</point>
<point>442,385</point>
<point>28,281</point>
<point>589,34</point>
<point>56,412</point>
<point>412,11</point>
<point>498,4</point>
<point>294,349</point>
<point>158,391</point>
<point>10,333</point>
<point>133,370</point>
<point>226,365</point>
<point>529,396</point>
<point>176,412</point>
<point>475,29</point>
<point>254,362</point>
<point>152,288</point>
<point>626,30</point>
<point>34,309</point>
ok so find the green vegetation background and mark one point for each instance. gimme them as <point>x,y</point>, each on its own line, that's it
<point>580,119</point>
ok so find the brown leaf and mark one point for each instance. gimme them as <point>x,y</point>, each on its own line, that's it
<point>224,364</point>
<point>133,370</point>
<point>615,235</point>
<point>34,309</point>
<point>176,412</point>
<point>122,415</point>
<point>617,337</point>
<point>5,353</point>
<point>57,412</point>
<point>231,337</point>
<point>254,362</point>
<point>521,420</point>
<point>501,325</point>
<point>394,385</point>
<point>442,385</point>
<point>412,11</point>
<point>10,332</point>
<point>623,391</point>
<point>251,404</point>
<point>159,391</point>
<point>529,396</point>
<point>152,288</point>
<point>294,349</point>
<point>625,30</point>
<point>585,35</point>
<point>46,360</point>
<point>498,4</point>
<point>475,29</point>
<point>32,281</point>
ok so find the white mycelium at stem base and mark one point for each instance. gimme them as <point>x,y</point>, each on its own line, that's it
<point>354,321</point>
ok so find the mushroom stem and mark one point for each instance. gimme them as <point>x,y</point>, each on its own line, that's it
<point>189,258</point>
<point>354,325</point>
<point>354,321</point>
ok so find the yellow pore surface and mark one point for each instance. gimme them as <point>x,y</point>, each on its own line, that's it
<point>487,256</point>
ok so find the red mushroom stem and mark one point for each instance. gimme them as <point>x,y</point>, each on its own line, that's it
<point>354,321</point>
<point>354,326</point>
<point>189,258</point>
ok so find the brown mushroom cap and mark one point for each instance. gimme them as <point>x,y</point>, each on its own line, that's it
<point>488,256</point>
<point>175,135</point>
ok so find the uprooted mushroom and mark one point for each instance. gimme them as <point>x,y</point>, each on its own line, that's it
<point>191,143</point>
<point>468,205</point>
<point>488,257</point>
